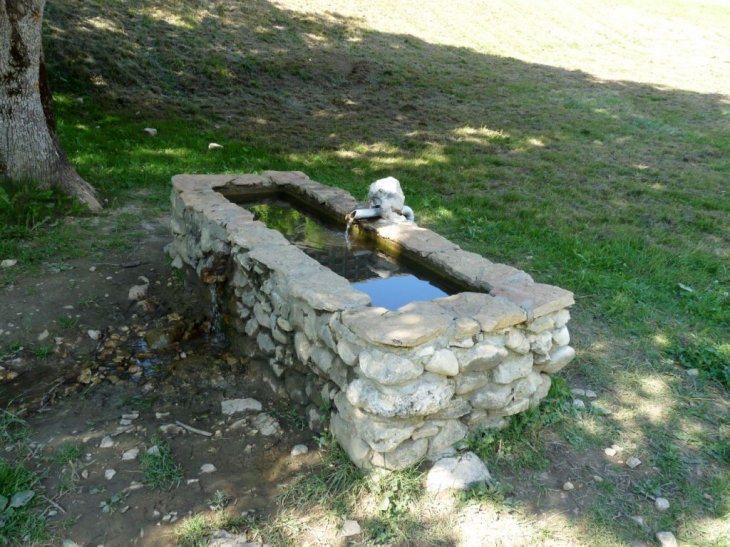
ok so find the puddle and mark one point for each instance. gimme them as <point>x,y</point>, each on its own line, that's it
<point>388,283</point>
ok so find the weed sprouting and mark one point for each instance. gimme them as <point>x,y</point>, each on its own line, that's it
<point>68,453</point>
<point>159,466</point>
<point>709,359</point>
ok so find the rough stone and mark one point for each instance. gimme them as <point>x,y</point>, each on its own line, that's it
<point>443,362</point>
<point>428,430</point>
<point>303,347</point>
<point>661,504</point>
<point>535,298</point>
<point>234,406</point>
<point>559,359</point>
<point>456,408</point>
<point>561,318</point>
<point>357,449</point>
<point>294,383</point>
<point>465,328</point>
<point>666,539</point>
<point>299,449</point>
<point>208,468</point>
<point>387,368</point>
<point>350,528</point>
<point>266,425</point>
<point>407,453</point>
<point>561,337</point>
<point>106,442</point>
<point>346,352</point>
<point>130,454</point>
<point>265,343</point>
<point>633,462</point>
<point>491,397</point>
<point>378,326</point>
<point>467,382</point>
<point>517,341</point>
<point>541,343</point>
<point>427,395</point>
<point>483,357</point>
<point>452,432</point>
<point>491,313</point>
<point>457,473</point>
<point>513,369</point>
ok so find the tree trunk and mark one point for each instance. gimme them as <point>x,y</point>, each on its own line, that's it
<point>29,145</point>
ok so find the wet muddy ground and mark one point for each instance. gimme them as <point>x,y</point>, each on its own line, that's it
<point>82,362</point>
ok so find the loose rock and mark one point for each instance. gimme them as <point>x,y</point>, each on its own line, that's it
<point>609,451</point>
<point>94,334</point>
<point>299,450</point>
<point>130,454</point>
<point>568,486</point>
<point>106,442</point>
<point>661,504</point>
<point>233,406</point>
<point>42,336</point>
<point>350,528</point>
<point>457,473</point>
<point>207,468</point>
<point>109,474</point>
<point>666,539</point>
<point>633,462</point>
<point>8,263</point>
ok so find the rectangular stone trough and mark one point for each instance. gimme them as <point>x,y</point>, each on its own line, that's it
<point>400,385</point>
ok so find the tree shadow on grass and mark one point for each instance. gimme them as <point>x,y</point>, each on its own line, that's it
<point>615,190</point>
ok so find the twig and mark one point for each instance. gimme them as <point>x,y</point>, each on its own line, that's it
<point>122,431</point>
<point>54,504</point>
<point>48,394</point>
<point>193,430</point>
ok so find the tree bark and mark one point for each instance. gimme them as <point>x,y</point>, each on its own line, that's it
<point>29,145</point>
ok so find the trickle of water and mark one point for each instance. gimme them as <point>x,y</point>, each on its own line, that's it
<point>217,337</point>
<point>347,234</point>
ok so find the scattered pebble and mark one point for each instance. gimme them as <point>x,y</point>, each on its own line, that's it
<point>708,497</point>
<point>639,520</point>
<point>130,454</point>
<point>42,336</point>
<point>109,474</point>
<point>299,449</point>
<point>568,486</point>
<point>134,485</point>
<point>591,394</point>
<point>667,539</point>
<point>154,450</point>
<point>579,404</point>
<point>617,448</point>
<point>160,415</point>
<point>171,429</point>
<point>192,481</point>
<point>92,269</point>
<point>692,372</point>
<point>106,442</point>
<point>214,146</point>
<point>578,392</point>
<point>85,474</point>
<point>661,504</point>
<point>94,334</point>
<point>130,416</point>
<point>609,451</point>
<point>52,513</point>
<point>232,406</point>
<point>8,263</point>
<point>597,478</point>
<point>633,462</point>
<point>350,528</point>
<point>207,468</point>
<point>151,131</point>
<point>69,543</point>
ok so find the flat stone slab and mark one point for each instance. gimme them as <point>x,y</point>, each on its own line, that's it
<point>408,330</point>
<point>417,240</point>
<point>536,299</point>
<point>492,313</point>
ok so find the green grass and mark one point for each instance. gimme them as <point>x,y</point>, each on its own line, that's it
<point>20,524</point>
<point>160,469</point>
<point>588,167</point>
<point>67,453</point>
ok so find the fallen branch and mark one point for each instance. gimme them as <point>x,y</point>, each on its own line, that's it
<point>54,504</point>
<point>122,431</point>
<point>193,430</point>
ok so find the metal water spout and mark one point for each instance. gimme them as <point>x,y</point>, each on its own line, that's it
<point>386,201</point>
<point>359,214</point>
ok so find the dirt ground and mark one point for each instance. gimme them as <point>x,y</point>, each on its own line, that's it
<point>81,390</point>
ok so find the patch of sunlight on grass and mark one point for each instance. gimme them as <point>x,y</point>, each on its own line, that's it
<point>100,23</point>
<point>661,340</point>
<point>480,135</point>
<point>174,19</point>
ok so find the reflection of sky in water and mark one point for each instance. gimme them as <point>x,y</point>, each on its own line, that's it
<point>398,290</point>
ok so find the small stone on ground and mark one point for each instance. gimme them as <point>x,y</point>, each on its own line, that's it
<point>350,528</point>
<point>106,442</point>
<point>299,449</point>
<point>232,406</point>
<point>661,504</point>
<point>457,473</point>
<point>207,468</point>
<point>666,539</point>
<point>633,462</point>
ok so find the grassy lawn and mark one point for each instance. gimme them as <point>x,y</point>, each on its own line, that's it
<point>584,142</point>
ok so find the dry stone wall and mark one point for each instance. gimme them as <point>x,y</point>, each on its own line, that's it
<point>399,385</point>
